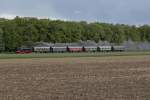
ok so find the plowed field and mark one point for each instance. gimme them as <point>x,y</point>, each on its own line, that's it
<point>93,78</point>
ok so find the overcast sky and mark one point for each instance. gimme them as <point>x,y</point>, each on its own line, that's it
<point>112,11</point>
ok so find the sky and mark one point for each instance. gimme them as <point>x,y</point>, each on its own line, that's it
<point>109,11</point>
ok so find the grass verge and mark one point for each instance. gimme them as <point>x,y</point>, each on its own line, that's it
<point>61,55</point>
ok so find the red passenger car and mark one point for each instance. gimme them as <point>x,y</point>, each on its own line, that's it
<point>24,51</point>
<point>75,49</point>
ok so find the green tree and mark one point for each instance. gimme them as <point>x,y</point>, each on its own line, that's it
<point>2,46</point>
<point>25,31</point>
<point>118,35</point>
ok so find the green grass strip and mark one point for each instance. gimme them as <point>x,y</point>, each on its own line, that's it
<point>62,55</point>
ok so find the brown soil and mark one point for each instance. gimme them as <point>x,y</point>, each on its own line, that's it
<point>108,78</point>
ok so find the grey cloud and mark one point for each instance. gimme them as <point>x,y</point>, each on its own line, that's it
<point>113,11</point>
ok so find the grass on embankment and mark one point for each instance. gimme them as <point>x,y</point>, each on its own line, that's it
<point>61,55</point>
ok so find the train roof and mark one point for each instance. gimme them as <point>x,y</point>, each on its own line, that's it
<point>42,44</point>
<point>75,46</point>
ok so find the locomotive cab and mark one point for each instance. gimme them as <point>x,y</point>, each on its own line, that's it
<point>23,51</point>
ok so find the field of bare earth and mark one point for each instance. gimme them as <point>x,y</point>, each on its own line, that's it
<point>80,78</point>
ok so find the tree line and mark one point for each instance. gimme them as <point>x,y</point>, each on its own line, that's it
<point>25,31</point>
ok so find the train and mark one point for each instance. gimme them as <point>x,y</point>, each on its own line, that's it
<point>71,49</point>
